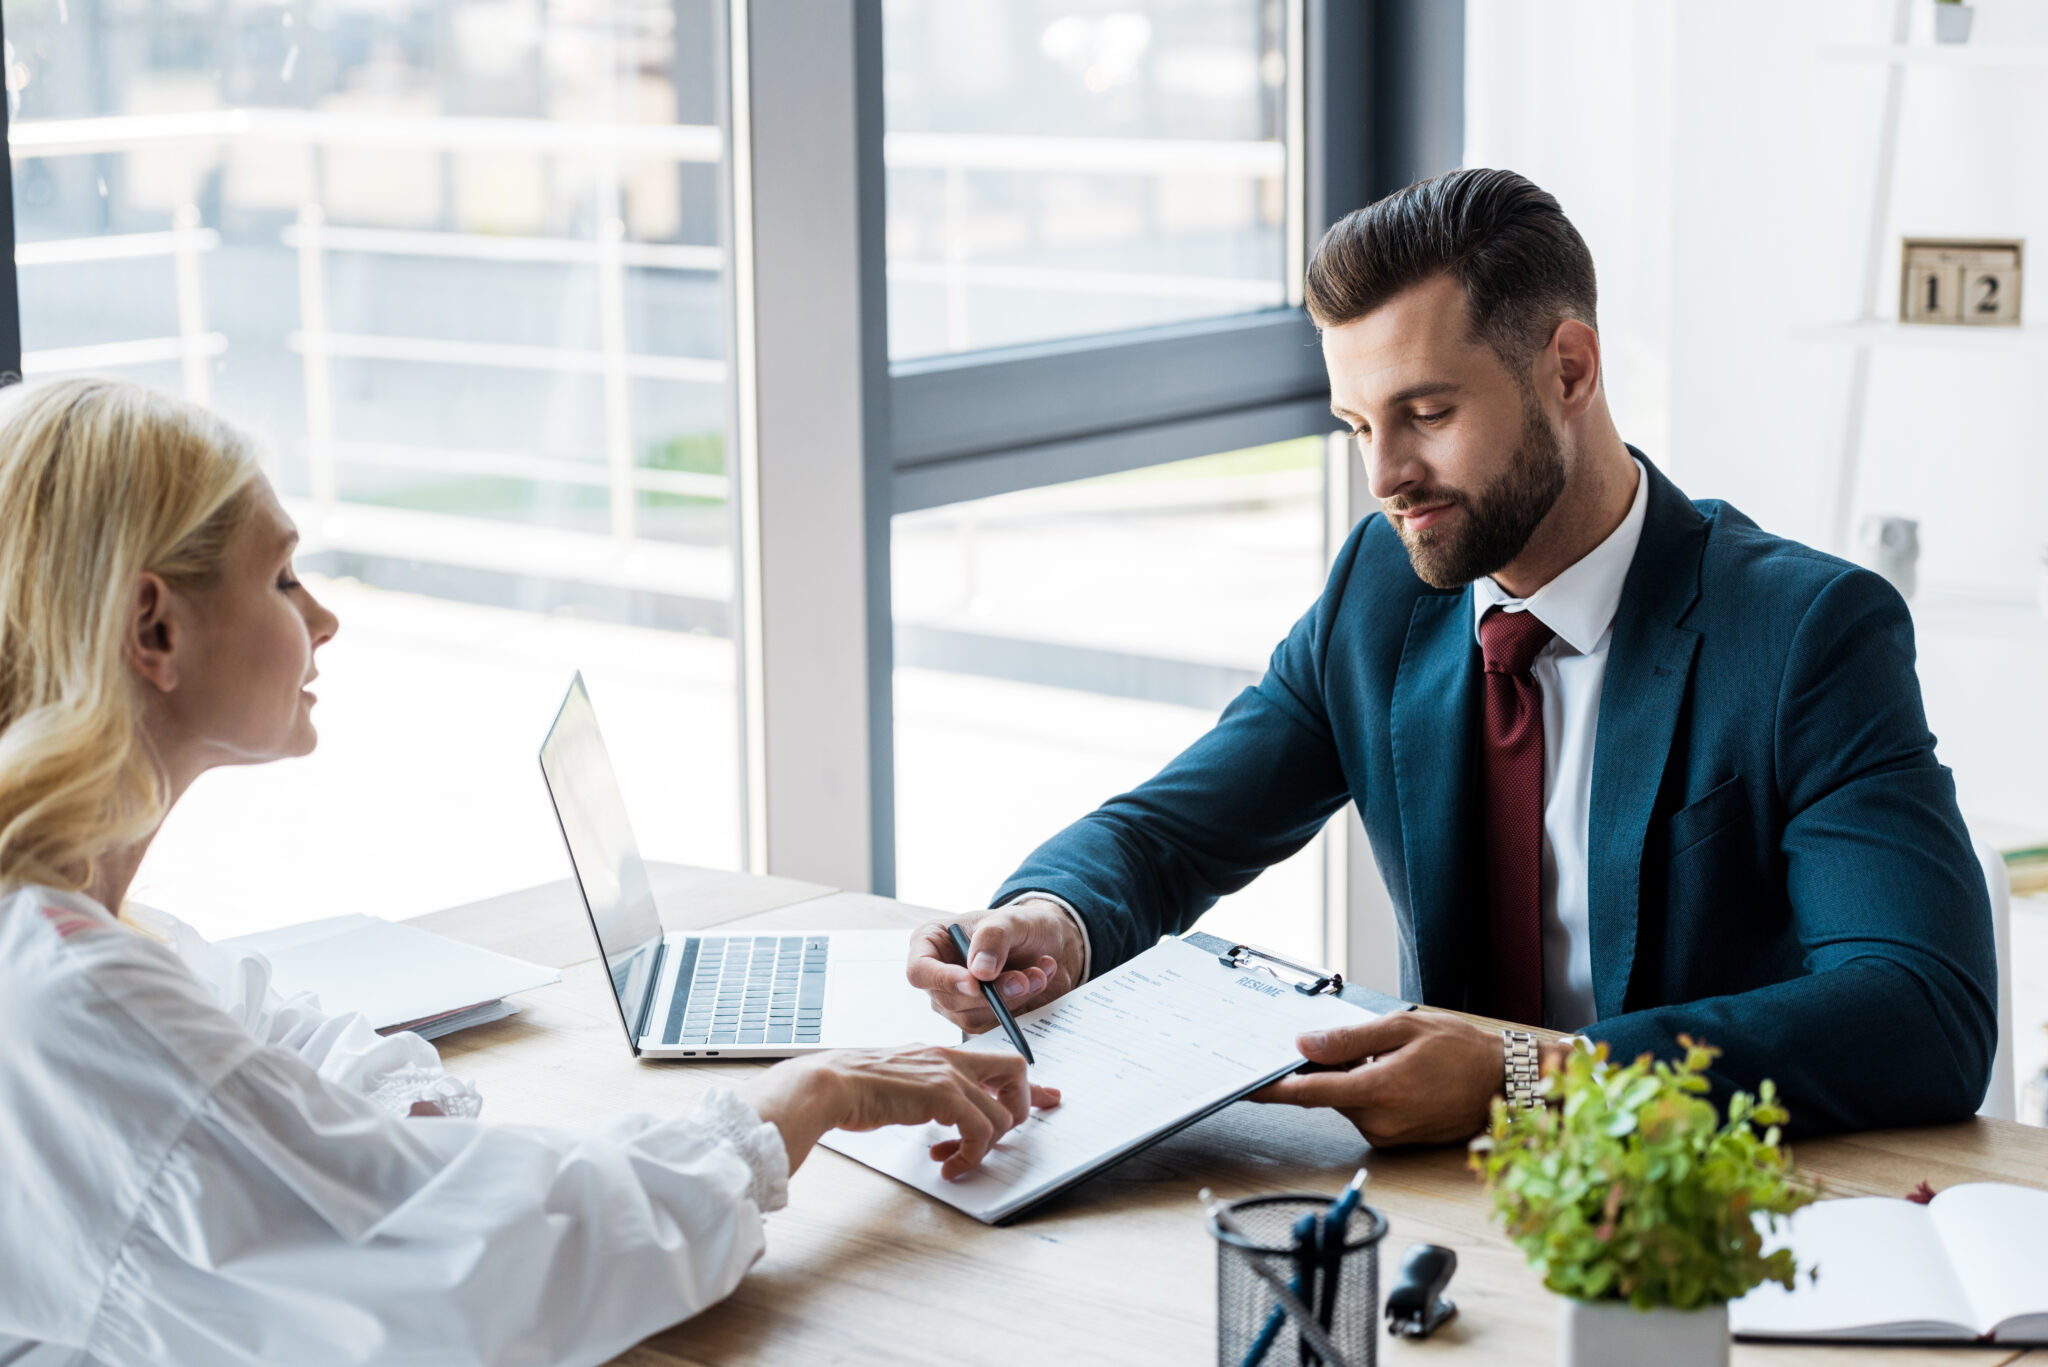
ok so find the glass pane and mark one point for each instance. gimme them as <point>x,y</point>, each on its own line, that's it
<point>1058,168</point>
<point>1057,646</point>
<point>459,264</point>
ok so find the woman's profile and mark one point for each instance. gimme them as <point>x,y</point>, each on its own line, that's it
<point>197,1171</point>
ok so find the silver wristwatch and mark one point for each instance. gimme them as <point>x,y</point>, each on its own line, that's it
<point>1524,1065</point>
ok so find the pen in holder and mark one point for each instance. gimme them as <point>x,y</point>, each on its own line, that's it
<point>1275,1250</point>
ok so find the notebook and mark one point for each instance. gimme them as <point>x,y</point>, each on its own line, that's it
<point>398,976</point>
<point>1971,1264</point>
<point>1138,1053</point>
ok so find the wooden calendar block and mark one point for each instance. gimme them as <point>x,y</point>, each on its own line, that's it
<point>1932,293</point>
<point>1960,281</point>
<point>1991,294</point>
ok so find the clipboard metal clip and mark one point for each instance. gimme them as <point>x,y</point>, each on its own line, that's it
<point>1309,982</point>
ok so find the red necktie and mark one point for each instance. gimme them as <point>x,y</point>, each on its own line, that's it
<point>1511,804</point>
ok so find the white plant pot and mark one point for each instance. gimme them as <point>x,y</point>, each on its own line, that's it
<point>1952,23</point>
<point>1616,1334</point>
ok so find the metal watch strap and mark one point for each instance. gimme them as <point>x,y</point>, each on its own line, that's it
<point>1523,1064</point>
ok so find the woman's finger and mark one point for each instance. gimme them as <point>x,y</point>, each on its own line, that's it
<point>1011,1093</point>
<point>977,1137</point>
<point>1001,1118</point>
<point>1000,1074</point>
<point>993,1069</point>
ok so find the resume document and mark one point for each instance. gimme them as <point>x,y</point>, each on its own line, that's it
<point>1137,1054</point>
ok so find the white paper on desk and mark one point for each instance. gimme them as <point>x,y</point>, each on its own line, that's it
<point>391,972</point>
<point>1136,1053</point>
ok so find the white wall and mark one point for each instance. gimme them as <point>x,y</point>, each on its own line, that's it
<point>1722,173</point>
<point>1577,95</point>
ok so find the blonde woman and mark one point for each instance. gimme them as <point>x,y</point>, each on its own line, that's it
<point>193,1171</point>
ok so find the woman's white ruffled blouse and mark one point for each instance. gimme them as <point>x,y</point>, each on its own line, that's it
<point>194,1170</point>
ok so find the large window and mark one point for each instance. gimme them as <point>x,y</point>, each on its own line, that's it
<point>1057,168</point>
<point>622,337</point>
<point>460,265</point>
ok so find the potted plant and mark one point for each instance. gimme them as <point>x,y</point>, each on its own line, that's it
<point>1637,1202</point>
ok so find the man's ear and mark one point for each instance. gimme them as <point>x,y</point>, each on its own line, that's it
<point>153,633</point>
<point>1577,349</point>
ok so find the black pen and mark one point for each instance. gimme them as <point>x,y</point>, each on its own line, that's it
<point>995,999</point>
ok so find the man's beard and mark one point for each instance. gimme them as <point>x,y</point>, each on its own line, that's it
<point>1499,520</point>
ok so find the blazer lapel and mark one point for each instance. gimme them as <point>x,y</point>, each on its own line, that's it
<point>1432,734</point>
<point>1649,665</point>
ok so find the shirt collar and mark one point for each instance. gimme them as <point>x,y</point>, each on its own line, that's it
<point>1579,604</point>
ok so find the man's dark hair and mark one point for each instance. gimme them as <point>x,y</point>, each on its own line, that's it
<point>1523,266</point>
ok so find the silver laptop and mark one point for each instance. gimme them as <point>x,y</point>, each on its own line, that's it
<point>711,994</point>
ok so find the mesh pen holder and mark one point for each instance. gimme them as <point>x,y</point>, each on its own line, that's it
<point>1341,1290</point>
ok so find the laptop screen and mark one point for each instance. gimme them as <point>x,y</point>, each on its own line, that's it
<point>592,813</point>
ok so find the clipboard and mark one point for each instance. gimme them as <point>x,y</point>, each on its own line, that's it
<point>1319,980</point>
<point>1204,1022</point>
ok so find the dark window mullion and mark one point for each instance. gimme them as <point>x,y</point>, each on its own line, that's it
<point>979,404</point>
<point>10,288</point>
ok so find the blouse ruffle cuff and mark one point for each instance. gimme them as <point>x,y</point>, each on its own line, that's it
<point>398,1091</point>
<point>758,1142</point>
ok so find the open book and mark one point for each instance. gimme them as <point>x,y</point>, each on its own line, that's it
<point>1147,1049</point>
<point>1971,1264</point>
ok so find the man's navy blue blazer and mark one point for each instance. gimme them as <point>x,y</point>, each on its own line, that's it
<point>1777,864</point>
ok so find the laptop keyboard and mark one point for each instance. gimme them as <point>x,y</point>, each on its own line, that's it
<point>748,989</point>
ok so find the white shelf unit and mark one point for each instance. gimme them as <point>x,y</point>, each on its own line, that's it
<point>1876,328</point>
<point>1969,642</point>
<point>1980,653</point>
<point>1993,341</point>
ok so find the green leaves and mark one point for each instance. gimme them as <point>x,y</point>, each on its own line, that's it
<point>1630,1186</point>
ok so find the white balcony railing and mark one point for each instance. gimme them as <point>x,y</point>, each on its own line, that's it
<point>632,561</point>
<point>193,347</point>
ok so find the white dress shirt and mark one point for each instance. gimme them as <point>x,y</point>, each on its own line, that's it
<point>1579,606</point>
<point>194,1170</point>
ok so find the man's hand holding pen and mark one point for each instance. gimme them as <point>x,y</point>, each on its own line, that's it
<point>1030,951</point>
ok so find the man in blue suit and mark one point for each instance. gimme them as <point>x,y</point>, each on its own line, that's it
<point>1631,766</point>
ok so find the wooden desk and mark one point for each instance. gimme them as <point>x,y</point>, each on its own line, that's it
<point>860,1269</point>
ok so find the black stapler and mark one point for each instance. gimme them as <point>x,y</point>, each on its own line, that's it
<point>1417,1306</point>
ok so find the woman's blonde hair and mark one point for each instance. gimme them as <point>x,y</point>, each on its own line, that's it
<point>101,480</point>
